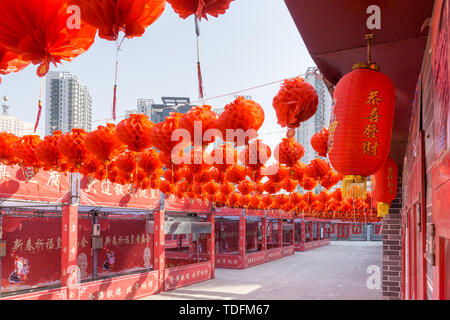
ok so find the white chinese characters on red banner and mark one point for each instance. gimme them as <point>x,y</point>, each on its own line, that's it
<point>22,183</point>
<point>33,252</point>
<point>174,204</point>
<point>126,247</point>
<point>108,194</point>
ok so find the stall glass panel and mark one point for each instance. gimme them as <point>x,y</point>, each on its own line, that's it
<point>253,241</point>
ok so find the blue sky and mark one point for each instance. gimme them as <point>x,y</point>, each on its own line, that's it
<point>254,43</point>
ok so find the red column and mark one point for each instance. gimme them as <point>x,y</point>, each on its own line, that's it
<point>280,233</point>
<point>264,234</point>
<point>270,230</point>
<point>159,247</point>
<point>212,246</point>
<point>303,235</point>
<point>69,251</point>
<point>293,232</point>
<point>242,239</point>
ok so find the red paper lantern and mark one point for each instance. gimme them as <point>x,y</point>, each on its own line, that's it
<point>224,156</point>
<point>72,146</point>
<point>308,183</point>
<point>135,132</point>
<point>297,101</point>
<point>255,155</point>
<point>186,8</point>
<point>271,187</point>
<point>211,188</point>
<point>330,179</point>
<point>148,162</point>
<point>202,118</point>
<point>317,169</point>
<point>276,172</point>
<point>319,142</point>
<point>11,62</point>
<point>7,153</point>
<point>40,31</point>
<point>126,162</point>
<point>104,143</point>
<point>166,187</point>
<point>255,201</point>
<point>24,149</point>
<point>48,153</point>
<point>289,185</point>
<point>110,17</point>
<point>239,117</point>
<point>236,174</point>
<point>227,188</point>
<point>246,187</point>
<point>266,201</point>
<point>289,151</point>
<point>384,186</point>
<point>161,134</point>
<point>297,171</point>
<point>361,125</point>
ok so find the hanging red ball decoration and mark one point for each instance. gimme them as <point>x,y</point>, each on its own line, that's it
<point>110,17</point>
<point>297,101</point>
<point>319,142</point>
<point>289,151</point>
<point>255,155</point>
<point>11,62</point>
<point>7,153</point>
<point>104,143</point>
<point>246,187</point>
<point>197,121</point>
<point>289,185</point>
<point>200,8</point>
<point>224,156</point>
<point>148,162</point>
<point>24,149</point>
<point>48,153</point>
<point>72,146</point>
<point>41,31</point>
<point>135,132</point>
<point>317,169</point>
<point>242,118</point>
<point>161,134</point>
<point>227,188</point>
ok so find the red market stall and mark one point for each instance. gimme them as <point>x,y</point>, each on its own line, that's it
<point>240,237</point>
<point>312,233</point>
<point>189,242</point>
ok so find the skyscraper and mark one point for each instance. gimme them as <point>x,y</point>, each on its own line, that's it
<point>68,103</point>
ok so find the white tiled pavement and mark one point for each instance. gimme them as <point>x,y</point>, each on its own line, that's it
<point>337,271</point>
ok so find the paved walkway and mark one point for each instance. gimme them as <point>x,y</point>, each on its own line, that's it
<point>337,271</point>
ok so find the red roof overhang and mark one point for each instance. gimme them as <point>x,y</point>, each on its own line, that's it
<point>333,32</point>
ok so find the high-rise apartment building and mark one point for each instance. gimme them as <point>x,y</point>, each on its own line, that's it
<point>68,103</point>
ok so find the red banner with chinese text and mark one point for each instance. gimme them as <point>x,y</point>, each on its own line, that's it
<point>173,203</point>
<point>22,183</point>
<point>126,247</point>
<point>108,194</point>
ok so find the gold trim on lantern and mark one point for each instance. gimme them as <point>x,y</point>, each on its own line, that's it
<point>365,65</point>
<point>382,209</point>
<point>354,187</point>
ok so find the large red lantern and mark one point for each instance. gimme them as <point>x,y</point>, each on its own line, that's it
<point>297,101</point>
<point>186,8</point>
<point>48,153</point>
<point>242,114</point>
<point>110,17</point>
<point>161,134</point>
<point>384,186</point>
<point>25,150</point>
<point>361,124</point>
<point>42,31</point>
<point>135,132</point>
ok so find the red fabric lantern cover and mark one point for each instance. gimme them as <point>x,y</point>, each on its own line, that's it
<point>246,187</point>
<point>148,162</point>
<point>236,174</point>
<point>319,142</point>
<point>135,132</point>
<point>7,153</point>
<point>241,114</point>
<point>227,188</point>
<point>289,151</point>
<point>104,143</point>
<point>203,115</point>
<point>361,125</point>
<point>110,17</point>
<point>317,169</point>
<point>11,62</point>
<point>40,31</point>
<point>384,186</point>
<point>297,101</point>
<point>186,8</point>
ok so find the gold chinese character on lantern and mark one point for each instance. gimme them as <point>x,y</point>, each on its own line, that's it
<point>371,131</point>
<point>374,116</point>
<point>370,148</point>
<point>373,98</point>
